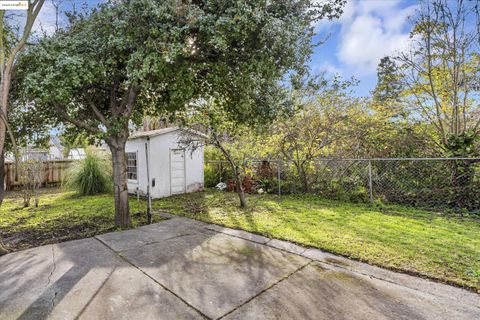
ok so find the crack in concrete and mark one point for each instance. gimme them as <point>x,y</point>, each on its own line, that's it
<point>167,239</point>
<point>351,269</point>
<point>321,261</point>
<point>53,268</point>
<point>310,261</point>
<point>266,289</point>
<point>150,277</point>
<point>233,235</point>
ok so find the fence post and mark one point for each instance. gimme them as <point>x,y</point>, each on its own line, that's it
<point>279,163</point>
<point>370,184</point>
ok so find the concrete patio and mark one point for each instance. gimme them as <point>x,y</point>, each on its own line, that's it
<point>185,269</point>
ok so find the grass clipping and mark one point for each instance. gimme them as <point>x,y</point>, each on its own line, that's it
<point>89,176</point>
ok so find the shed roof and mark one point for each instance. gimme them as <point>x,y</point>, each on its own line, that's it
<point>153,133</point>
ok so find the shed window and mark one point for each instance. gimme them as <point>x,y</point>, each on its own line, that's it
<point>131,165</point>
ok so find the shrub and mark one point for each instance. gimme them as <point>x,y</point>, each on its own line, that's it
<point>31,177</point>
<point>211,175</point>
<point>216,172</point>
<point>90,176</point>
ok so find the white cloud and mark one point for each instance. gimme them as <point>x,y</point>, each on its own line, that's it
<point>328,68</point>
<point>369,6</point>
<point>348,12</point>
<point>371,30</point>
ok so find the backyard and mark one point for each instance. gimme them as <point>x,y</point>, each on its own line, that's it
<point>61,216</point>
<point>432,244</point>
<point>220,159</point>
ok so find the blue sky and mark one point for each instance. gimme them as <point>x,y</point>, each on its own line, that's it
<point>367,31</point>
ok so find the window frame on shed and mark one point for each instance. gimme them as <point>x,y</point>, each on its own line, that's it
<point>132,166</point>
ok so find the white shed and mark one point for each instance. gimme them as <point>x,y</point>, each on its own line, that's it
<point>172,168</point>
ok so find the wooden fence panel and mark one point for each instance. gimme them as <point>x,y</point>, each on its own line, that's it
<point>54,171</point>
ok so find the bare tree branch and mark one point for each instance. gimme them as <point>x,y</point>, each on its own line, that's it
<point>64,115</point>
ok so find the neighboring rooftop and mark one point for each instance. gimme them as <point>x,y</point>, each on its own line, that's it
<point>153,133</point>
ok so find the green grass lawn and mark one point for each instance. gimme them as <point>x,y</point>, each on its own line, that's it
<point>60,216</point>
<point>442,247</point>
<point>439,246</point>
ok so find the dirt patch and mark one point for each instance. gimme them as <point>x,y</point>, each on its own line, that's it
<point>34,237</point>
<point>57,231</point>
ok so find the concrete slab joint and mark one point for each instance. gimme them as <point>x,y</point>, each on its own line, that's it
<point>185,269</point>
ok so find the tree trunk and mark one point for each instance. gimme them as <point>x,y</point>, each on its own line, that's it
<point>2,177</point>
<point>3,130</point>
<point>239,188</point>
<point>119,165</point>
<point>4,91</point>
<point>3,249</point>
<point>236,174</point>
<point>304,178</point>
<point>302,175</point>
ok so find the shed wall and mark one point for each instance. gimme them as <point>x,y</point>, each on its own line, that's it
<point>159,150</point>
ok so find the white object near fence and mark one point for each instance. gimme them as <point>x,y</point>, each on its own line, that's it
<point>174,168</point>
<point>432,183</point>
<point>221,186</point>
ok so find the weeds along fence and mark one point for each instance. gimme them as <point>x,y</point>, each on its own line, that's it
<point>432,183</point>
<point>53,172</point>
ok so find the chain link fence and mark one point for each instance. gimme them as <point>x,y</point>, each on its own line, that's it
<point>432,183</point>
<point>260,176</point>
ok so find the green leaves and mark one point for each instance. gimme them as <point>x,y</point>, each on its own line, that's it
<point>464,144</point>
<point>440,71</point>
<point>174,54</point>
<point>90,176</point>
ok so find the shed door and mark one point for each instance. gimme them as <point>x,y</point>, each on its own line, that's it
<point>177,171</point>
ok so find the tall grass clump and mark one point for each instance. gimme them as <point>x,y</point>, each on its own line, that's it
<point>89,176</point>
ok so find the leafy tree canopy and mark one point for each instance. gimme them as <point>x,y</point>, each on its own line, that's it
<point>170,53</point>
<point>127,59</point>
